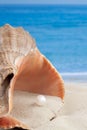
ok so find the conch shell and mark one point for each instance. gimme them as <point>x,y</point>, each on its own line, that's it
<point>23,67</point>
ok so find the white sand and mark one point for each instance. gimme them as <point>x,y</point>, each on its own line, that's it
<point>72,116</point>
<point>27,110</point>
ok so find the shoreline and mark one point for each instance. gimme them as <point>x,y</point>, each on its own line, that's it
<point>75,84</point>
<point>80,77</point>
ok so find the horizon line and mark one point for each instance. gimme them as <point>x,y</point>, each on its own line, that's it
<point>43,4</point>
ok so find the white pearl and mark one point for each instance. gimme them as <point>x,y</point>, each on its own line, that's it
<point>41,100</point>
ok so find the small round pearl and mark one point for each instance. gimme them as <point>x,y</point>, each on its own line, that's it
<point>41,100</point>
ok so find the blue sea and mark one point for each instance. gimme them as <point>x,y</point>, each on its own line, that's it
<point>60,32</point>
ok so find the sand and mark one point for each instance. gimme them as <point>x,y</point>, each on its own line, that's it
<point>72,115</point>
<point>27,110</point>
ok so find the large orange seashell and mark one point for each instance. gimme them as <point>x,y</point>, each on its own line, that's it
<point>24,68</point>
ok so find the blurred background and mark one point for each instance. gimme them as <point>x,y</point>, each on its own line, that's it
<point>59,29</point>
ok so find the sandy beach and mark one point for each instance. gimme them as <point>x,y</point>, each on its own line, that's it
<point>71,116</point>
<point>55,114</point>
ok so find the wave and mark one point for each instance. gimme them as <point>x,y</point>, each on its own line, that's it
<point>74,74</point>
<point>75,77</point>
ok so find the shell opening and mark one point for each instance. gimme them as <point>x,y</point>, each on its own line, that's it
<point>6,83</point>
<point>4,95</point>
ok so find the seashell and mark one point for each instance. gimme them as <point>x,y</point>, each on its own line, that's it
<point>8,122</point>
<point>24,68</point>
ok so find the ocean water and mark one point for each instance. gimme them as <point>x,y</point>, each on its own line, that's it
<point>60,32</point>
